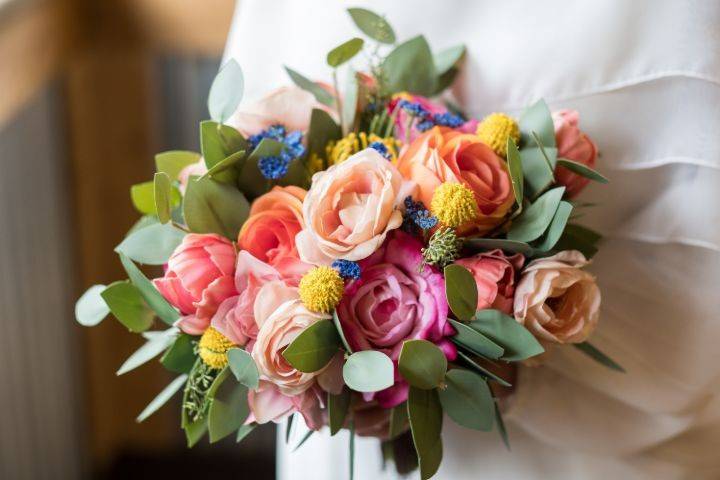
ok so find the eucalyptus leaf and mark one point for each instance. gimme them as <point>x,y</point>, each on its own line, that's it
<point>475,341</point>
<point>344,52</point>
<point>372,25</point>
<point>467,400</point>
<point>368,371</point>
<point>251,182</point>
<point>410,67</point>
<point>226,91</point>
<point>217,143</point>
<point>91,309</point>
<point>228,409</point>
<point>174,161</point>
<point>320,94</point>
<point>244,431</point>
<point>422,364</point>
<point>128,306</point>
<point>180,357</point>
<point>151,245</point>
<point>351,448</point>
<point>149,350</point>
<point>487,374</point>
<point>593,352</point>
<point>243,367</point>
<point>350,100</point>
<point>448,58</point>
<point>557,226</point>
<point>398,420</point>
<point>304,439</point>
<point>577,237</point>
<point>535,219</point>
<point>582,170</point>
<point>341,334</point>
<point>143,197</point>
<point>426,415</point>
<point>142,222</point>
<point>512,246</point>
<point>516,340</point>
<point>461,291</point>
<point>537,118</point>
<point>515,168</point>
<point>314,347</point>
<point>212,207</point>
<point>536,172</point>
<point>323,130</point>
<point>501,427</point>
<point>149,293</point>
<point>162,398</point>
<point>338,406</point>
<point>234,161</point>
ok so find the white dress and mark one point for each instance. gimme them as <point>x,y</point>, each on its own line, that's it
<point>645,76</point>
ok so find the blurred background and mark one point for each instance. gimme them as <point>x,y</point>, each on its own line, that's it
<point>90,90</point>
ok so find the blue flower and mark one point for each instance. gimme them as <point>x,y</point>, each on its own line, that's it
<point>347,269</point>
<point>413,108</point>
<point>448,120</point>
<point>274,167</point>
<point>425,125</point>
<point>416,213</point>
<point>381,148</point>
<point>424,220</point>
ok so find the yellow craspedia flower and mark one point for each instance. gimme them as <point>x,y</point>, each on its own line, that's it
<point>213,348</point>
<point>454,204</point>
<point>352,143</point>
<point>321,289</point>
<point>402,96</point>
<point>495,129</point>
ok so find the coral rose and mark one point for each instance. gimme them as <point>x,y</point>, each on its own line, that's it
<point>494,275</point>
<point>275,219</point>
<point>394,301</point>
<point>574,145</point>
<point>444,155</point>
<point>556,300</point>
<point>198,278</point>
<point>350,208</point>
<point>281,317</point>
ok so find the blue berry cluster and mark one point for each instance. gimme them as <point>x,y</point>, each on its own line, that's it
<point>347,269</point>
<point>417,214</point>
<point>276,167</point>
<point>429,120</point>
<point>413,108</point>
<point>381,149</point>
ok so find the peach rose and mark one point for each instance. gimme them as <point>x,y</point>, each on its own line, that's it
<point>281,317</point>
<point>350,208</point>
<point>275,219</point>
<point>267,404</point>
<point>574,145</point>
<point>445,155</point>
<point>494,275</point>
<point>556,300</point>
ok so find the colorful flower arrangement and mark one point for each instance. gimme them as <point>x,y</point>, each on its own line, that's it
<point>333,254</point>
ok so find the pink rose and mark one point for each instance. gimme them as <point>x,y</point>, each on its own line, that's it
<point>199,277</point>
<point>556,300</point>
<point>288,106</point>
<point>267,404</point>
<point>281,317</point>
<point>350,208</point>
<point>275,219</point>
<point>392,302</point>
<point>494,274</point>
<point>574,145</point>
<point>431,107</point>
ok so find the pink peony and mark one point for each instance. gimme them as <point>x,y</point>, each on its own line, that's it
<point>494,274</point>
<point>575,145</point>
<point>432,107</point>
<point>199,277</point>
<point>392,302</point>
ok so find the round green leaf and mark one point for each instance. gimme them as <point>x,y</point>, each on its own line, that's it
<point>448,58</point>
<point>467,400</point>
<point>151,245</point>
<point>162,191</point>
<point>243,367</point>
<point>410,67</point>
<point>217,142</point>
<point>476,341</point>
<point>368,371</point>
<point>91,309</point>
<point>226,91</point>
<point>212,207</point>
<point>128,306</point>
<point>174,161</point>
<point>516,340</point>
<point>426,415</point>
<point>180,357</point>
<point>228,408</point>
<point>533,222</point>
<point>344,52</point>
<point>461,291</point>
<point>372,25</point>
<point>422,364</point>
<point>537,118</point>
<point>314,347</point>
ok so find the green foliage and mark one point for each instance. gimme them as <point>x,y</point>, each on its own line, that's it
<point>368,371</point>
<point>143,197</point>
<point>91,309</point>
<point>593,352</point>
<point>153,347</point>
<point>338,406</point>
<point>535,219</point>
<point>161,194</point>
<point>422,364</point>
<point>217,143</point>
<point>515,168</point>
<point>426,415</point>
<point>314,347</point>
<point>180,357</point>
<point>226,91</point>
<point>243,367</point>
<point>467,400</point>
<point>461,291</point>
<point>537,170</point>
<point>320,94</point>
<point>398,420</point>
<point>344,52</point>
<point>517,342</point>
<point>212,207</point>
<point>475,341</point>
<point>244,431</point>
<point>151,245</point>
<point>162,398</point>
<point>128,306</point>
<point>582,170</point>
<point>484,372</point>
<point>577,237</point>
<point>174,161</point>
<point>557,226</point>
<point>338,327</point>
<point>511,246</point>
<point>149,293</point>
<point>195,401</point>
<point>322,131</point>
<point>410,67</point>
<point>372,25</point>
<point>228,408</point>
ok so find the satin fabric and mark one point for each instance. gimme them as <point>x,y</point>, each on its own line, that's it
<point>645,76</point>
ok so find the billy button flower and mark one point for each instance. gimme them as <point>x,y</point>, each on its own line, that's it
<point>494,131</point>
<point>321,289</point>
<point>213,347</point>
<point>454,204</point>
<point>352,143</point>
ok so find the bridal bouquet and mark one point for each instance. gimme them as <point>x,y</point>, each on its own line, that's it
<point>369,258</point>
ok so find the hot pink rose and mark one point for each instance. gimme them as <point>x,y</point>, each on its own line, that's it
<point>494,274</point>
<point>392,302</point>
<point>275,219</point>
<point>350,208</point>
<point>573,144</point>
<point>556,300</point>
<point>199,277</point>
<point>431,107</point>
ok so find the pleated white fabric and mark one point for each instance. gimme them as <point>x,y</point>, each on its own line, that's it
<point>645,76</point>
